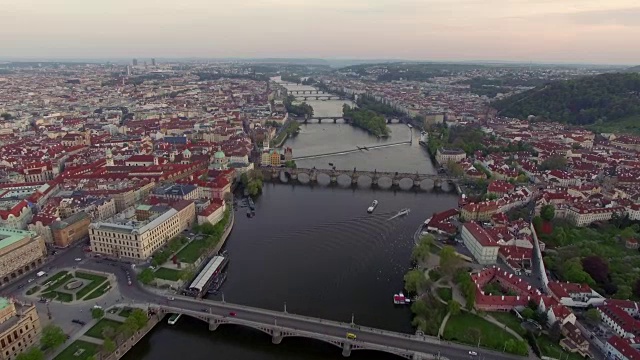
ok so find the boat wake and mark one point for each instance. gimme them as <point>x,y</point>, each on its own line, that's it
<point>402,212</point>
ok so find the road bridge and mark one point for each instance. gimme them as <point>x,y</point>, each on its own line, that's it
<point>280,325</point>
<point>393,180</point>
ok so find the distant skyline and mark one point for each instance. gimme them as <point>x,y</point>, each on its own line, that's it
<point>549,31</point>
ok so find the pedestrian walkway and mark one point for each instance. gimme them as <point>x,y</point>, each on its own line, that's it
<point>90,339</point>
<point>444,324</point>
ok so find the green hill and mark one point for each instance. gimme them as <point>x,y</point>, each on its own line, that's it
<point>633,69</point>
<point>601,100</point>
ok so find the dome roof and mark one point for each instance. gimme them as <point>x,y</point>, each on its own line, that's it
<point>219,154</point>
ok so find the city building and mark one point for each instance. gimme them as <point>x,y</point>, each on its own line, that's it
<point>482,246</point>
<point>20,251</point>
<point>19,328</point>
<point>443,156</point>
<point>137,238</point>
<point>68,231</point>
<point>15,214</point>
<point>621,349</point>
<point>213,213</point>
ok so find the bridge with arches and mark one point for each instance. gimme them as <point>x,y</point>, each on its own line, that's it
<point>313,95</point>
<point>391,180</point>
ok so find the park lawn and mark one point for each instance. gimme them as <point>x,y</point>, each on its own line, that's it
<point>96,330</point>
<point>126,312</point>
<point>192,251</point>
<point>99,291</point>
<point>468,328</point>
<point>553,350</point>
<point>445,293</point>
<point>57,276</point>
<point>33,290</point>
<point>509,319</point>
<point>59,281</point>
<point>90,349</point>
<point>96,280</point>
<point>167,274</point>
<point>63,296</point>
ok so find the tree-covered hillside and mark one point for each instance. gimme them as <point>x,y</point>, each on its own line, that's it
<point>588,100</point>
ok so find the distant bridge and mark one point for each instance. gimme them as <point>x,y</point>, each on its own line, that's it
<point>313,95</point>
<point>357,149</point>
<point>393,180</point>
<point>335,119</point>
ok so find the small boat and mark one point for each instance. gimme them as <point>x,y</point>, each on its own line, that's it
<point>400,299</point>
<point>174,319</point>
<point>373,206</point>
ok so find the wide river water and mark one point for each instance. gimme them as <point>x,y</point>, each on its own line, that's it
<point>316,249</point>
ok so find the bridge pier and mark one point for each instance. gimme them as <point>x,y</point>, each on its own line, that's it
<point>213,324</point>
<point>395,182</point>
<point>276,337</point>
<point>354,180</point>
<point>334,179</point>
<point>346,349</point>
<point>335,121</point>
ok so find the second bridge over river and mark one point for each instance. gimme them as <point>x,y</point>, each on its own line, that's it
<point>355,177</point>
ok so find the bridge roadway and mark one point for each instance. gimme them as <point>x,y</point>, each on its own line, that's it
<point>281,324</point>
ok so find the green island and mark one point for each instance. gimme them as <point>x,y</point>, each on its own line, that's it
<point>366,119</point>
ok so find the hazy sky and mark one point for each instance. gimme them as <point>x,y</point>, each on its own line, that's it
<point>596,31</point>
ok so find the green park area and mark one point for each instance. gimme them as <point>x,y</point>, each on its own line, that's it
<point>473,330</point>
<point>79,350</point>
<point>98,330</point>
<point>510,320</point>
<point>168,274</point>
<point>61,286</point>
<point>595,255</point>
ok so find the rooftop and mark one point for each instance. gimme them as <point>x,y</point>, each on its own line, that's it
<point>9,237</point>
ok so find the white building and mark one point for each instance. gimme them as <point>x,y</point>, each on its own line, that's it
<point>482,246</point>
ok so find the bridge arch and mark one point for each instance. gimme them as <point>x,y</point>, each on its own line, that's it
<point>405,183</point>
<point>385,182</point>
<point>323,178</point>
<point>343,180</point>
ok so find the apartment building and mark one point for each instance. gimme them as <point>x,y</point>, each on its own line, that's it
<point>482,246</point>
<point>20,251</point>
<point>19,328</point>
<point>127,236</point>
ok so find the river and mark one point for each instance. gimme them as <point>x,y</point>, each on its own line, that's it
<point>316,249</point>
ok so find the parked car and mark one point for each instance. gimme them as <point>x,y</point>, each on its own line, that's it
<point>78,259</point>
<point>233,313</point>
<point>473,353</point>
<point>79,322</point>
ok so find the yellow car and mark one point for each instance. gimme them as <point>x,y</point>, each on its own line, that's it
<point>351,336</point>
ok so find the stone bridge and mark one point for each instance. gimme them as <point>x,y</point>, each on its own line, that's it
<point>384,180</point>
<point>335,334</point>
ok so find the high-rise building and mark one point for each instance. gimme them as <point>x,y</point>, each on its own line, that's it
<point>153,62</point>
<point>135,62</point>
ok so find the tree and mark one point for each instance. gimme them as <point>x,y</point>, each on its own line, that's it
<point>32,354</point>
<point>449,260</point>
<point>555,331</point>
<point>636,288</point>
<point>422,251</point>
<point>548,212</point>
<point>623,293</point>
<point>414,281</point>
<point>291,164</point>
<point>146,276</point>
<point>592,315</point>
<point>527,313</point>
<point>97,313</point>
<point>597,268</point>
<point>108,332</point>
<point>454,169</point>
<point>139,318</point>
<point>554,162</point>
<point>52,337</point>
<point>109,346</point>
<point>453,307</point>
